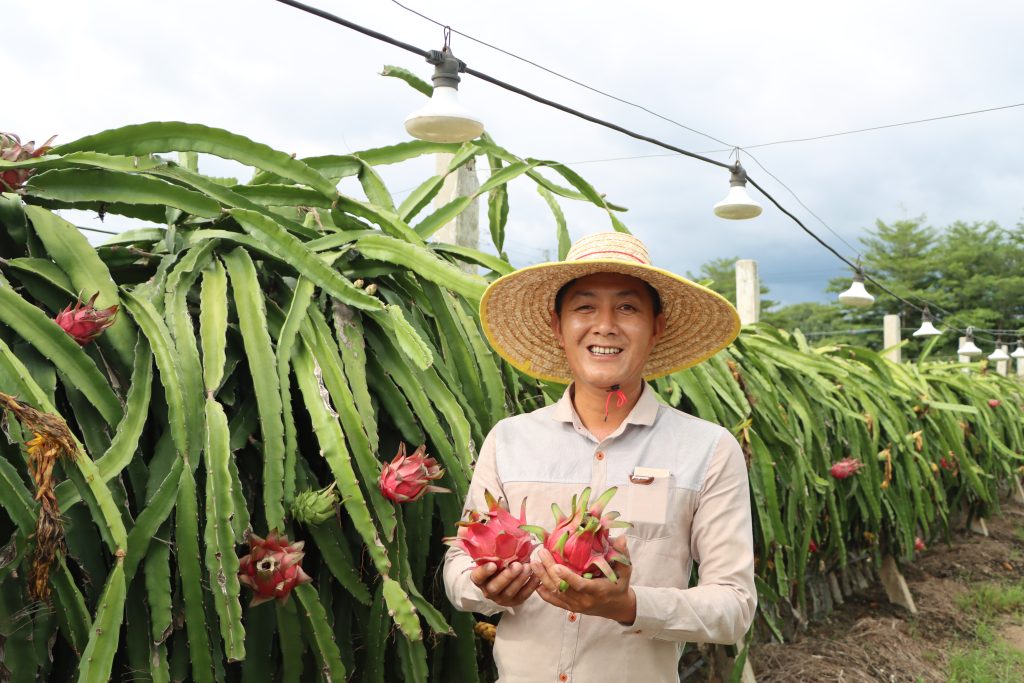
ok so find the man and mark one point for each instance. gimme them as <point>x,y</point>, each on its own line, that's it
<point>605,320</point>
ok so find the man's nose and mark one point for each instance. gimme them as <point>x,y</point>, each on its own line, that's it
<point>605,322</point>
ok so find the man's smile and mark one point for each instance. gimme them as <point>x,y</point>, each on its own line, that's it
<point>604,350</point>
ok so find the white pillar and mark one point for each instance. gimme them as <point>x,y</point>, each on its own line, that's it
<point>1020,367</point>
<point>963,359</point>
<point>748,291</point>
<point>1003,366</point>
<point>465,229</point>
<point>891,337</point>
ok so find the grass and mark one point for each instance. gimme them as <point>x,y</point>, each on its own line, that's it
<point>988,659</point>
<point>991,661</point>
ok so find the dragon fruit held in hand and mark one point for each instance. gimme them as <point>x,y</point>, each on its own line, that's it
<point>272,569</point>
<point>407,477</point>
<point>581,540</point>
<point>494,536</point>
<point>84,322</point>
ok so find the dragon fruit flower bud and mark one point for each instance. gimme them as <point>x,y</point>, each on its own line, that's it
<point>272,568</point>
<point>315,506</point>
<point>407,477</point>
<point>84,322</point>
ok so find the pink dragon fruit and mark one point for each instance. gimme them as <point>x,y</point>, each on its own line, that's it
<point>272,568</point>
<point>581,540</point>
<point>845,468</point>
<point>494,536</point>
<point>84,322</point>
<point>11,149</point>
<point>407,477</point>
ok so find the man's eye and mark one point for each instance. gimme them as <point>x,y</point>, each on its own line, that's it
<point>628,307</point>
<point>584,307</point>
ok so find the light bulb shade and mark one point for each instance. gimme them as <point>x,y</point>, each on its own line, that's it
<point>969,348</point>
<point>857,295</point>
<point>737,205</point>
<point>999,354</point>
<point>1019,351</point>
<point>927,329</point>
<point>444,119</point>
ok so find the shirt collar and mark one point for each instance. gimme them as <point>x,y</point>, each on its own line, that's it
<point>643,413</point>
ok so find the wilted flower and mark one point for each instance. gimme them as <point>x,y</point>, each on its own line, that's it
<point>83,322</point>
<point>919,544</point>
<point>407,477</point>
<point>272,568</point>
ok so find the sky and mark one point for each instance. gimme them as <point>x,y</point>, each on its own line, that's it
<point>744,72</point>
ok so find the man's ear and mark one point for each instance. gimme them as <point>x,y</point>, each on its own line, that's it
<point>659,327</point>
<point>556,328</point>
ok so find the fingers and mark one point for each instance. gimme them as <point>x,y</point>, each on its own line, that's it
<point>516,585</point>
<point>482,574</point>
<point>543,568</point>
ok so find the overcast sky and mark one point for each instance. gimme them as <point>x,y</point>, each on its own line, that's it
<point>743,72</point>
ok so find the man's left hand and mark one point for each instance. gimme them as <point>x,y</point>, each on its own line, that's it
<point>599,596</point>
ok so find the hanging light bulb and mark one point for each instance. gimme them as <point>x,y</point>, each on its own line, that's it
<point>737,204</point>
<point>443,118</point>
<point>927,329</point>
<point>857,295</point>
<point>969,348</point>
<point>1019,351</point>
<point>999,353</point>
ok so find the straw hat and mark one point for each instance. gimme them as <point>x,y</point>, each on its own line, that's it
<point>516,309</point>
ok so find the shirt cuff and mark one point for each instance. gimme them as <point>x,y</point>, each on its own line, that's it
<point>648,621</point>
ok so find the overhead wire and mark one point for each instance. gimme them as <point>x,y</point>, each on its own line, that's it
<point>612,126</point>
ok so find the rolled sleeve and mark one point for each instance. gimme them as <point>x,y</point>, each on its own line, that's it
<point>721,607</point>
<point>462,592</point>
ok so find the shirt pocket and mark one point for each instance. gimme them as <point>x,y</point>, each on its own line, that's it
<point>647,505</point>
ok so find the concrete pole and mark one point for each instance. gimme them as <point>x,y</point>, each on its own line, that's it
<point>963,359</point>
<point>1020,367</point>
<point>1003,366</point>
<point>465,229</point>
<point>891,337</point>
<point>748,291</point>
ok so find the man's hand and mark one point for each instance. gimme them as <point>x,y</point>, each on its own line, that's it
<point>510,587</point>
<point>598,597</point>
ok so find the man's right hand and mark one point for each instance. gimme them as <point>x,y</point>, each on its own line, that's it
<point>510,587</point>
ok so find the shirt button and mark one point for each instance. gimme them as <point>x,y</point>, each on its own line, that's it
<point>563,677</point>
<point>572,617</point>
<point>600,455</point>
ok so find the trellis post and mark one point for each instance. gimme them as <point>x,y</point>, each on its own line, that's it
<point>748,291</point>
<point>464,230</point>
<point>891,337</point>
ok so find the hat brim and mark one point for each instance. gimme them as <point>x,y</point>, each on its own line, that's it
<point>515,312</point>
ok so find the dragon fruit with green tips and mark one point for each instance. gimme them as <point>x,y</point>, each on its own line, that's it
<point>581,540</point>
<point>495,536</point>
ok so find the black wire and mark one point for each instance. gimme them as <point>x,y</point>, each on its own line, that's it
<point>564,77</point>
<point>593,119</point>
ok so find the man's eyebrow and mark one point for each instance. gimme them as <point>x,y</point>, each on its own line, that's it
<point>586,293</point>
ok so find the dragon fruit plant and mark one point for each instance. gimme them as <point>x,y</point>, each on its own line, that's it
<point>495,536</point>
<point>581,540</point>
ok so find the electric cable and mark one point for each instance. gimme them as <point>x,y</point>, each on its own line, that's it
<point>612,126</point>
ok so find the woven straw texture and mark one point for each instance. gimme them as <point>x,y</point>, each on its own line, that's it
<point>516,310</point>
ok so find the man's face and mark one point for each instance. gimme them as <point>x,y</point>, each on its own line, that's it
<point>607,328</point>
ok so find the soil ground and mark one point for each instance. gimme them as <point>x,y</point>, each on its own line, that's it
<point>868,640</point>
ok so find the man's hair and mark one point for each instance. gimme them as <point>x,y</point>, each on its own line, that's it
<point>560,296</point>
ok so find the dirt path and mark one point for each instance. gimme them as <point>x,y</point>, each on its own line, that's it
<point>869,640</point>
